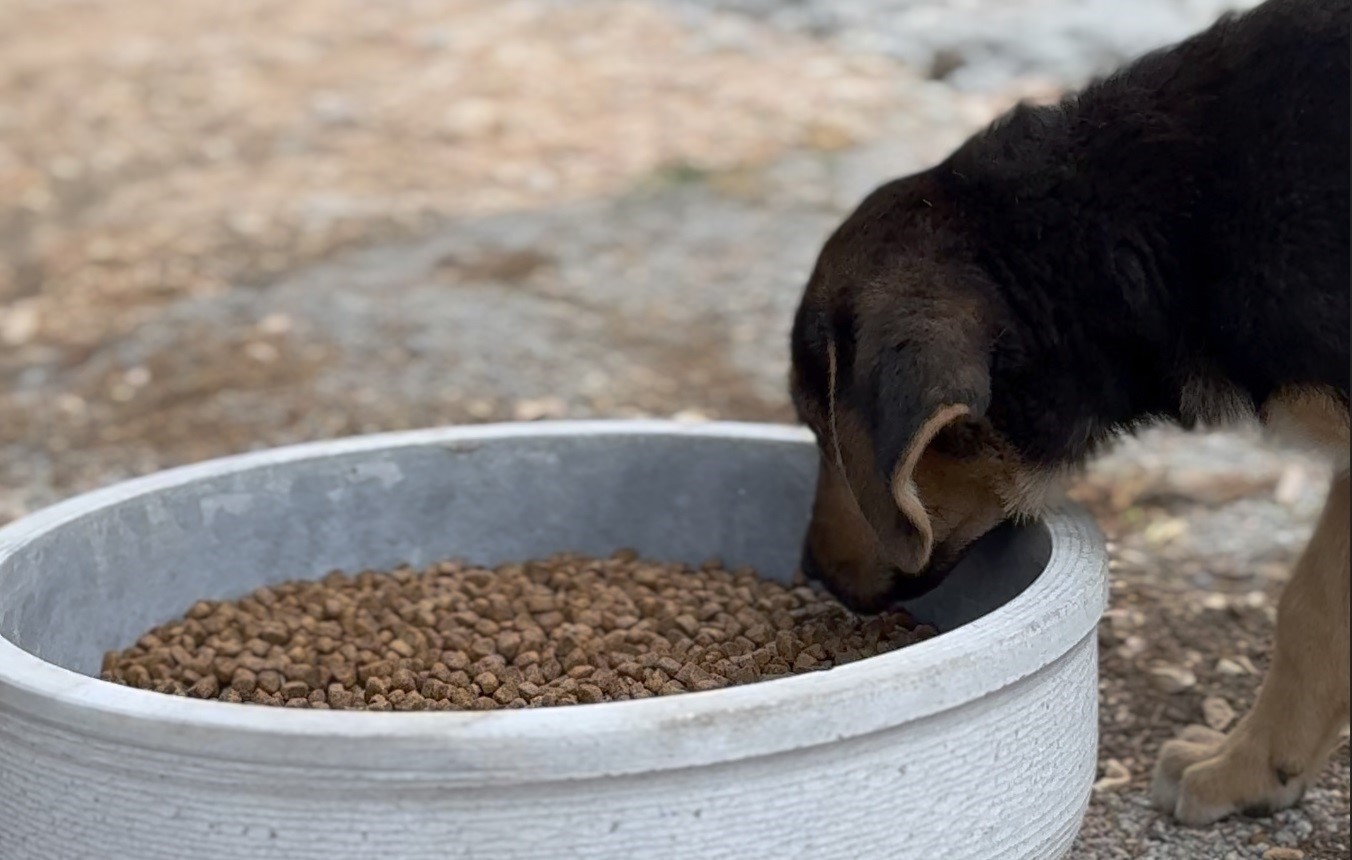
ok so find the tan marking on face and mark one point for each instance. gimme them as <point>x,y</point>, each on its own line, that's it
<point>945,503</point>
<point>851,535</point>
<point>963,498</point>
<point>865,529</point>
<point>960,497</point>
<point>845,545</point>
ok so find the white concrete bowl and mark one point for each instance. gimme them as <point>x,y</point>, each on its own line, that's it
<point>978,743</point>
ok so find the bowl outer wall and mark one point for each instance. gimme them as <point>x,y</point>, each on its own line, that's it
<point>1038,626</point>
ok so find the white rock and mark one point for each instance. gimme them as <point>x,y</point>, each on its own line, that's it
<point>690,416</point>
<point>1172,679</point>
<point>1217,712</point>
<point>544,407</point>
<point>18,324</point>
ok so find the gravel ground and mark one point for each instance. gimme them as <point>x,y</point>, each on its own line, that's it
<point>979,44</point>
<point>1203,530</point>
<point>252,229</point>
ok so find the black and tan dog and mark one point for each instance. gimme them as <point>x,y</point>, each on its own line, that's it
<point>1171,243</point>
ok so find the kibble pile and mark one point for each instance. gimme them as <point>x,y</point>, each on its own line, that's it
<point>564,630</point>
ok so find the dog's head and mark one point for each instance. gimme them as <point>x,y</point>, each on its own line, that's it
<point>891,351</point>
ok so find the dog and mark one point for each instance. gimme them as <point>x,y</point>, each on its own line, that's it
<point>1171,243</point>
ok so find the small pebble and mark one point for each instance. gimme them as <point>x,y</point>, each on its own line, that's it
<point>1217,712</point>
<point>1226,666</point>
<point>1172,679</point>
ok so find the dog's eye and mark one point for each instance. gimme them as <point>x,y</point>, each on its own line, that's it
<point>961,440</point>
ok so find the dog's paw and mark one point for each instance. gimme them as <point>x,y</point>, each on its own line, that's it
<point>1203,776</point>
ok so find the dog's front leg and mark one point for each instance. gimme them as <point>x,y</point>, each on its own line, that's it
<point>1278,749</point>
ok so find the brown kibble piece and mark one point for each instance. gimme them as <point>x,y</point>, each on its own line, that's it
<point>486,681</point>
<point>743,675</point>
<point>559,631</point>
<point>376,686</point>
<point>137,675</point>
<point>403,679</point>
<point>295,689</point>
<point>273,634</point>
<point>805,662</point>
<point>436,690</point>
<point>304,672</point>
<point>270,680</point>
<point>206,688</point>
<point>509,642</point>
<point>244,681</point>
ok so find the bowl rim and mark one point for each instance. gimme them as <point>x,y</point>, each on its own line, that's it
<point>1057,611</point>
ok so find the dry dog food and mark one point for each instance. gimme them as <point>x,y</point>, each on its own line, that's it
<point>564,630</point>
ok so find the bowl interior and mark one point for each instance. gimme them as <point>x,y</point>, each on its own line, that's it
<point>110,571</point>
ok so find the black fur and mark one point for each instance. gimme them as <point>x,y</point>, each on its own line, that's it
<point>1070,269</point>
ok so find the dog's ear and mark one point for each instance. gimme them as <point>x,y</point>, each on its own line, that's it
<point>913,554</point>
<point>914,389</point>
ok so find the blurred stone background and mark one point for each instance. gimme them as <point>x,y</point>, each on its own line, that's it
<point>231,226</point>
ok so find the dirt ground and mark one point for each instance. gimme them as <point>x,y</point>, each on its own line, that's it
<point>229,227</point>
